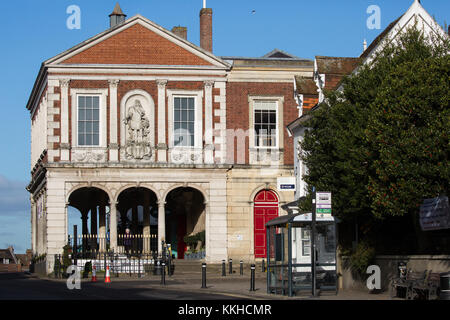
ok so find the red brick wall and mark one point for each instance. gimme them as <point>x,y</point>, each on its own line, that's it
<point>332,81</point>
<point>136,45</point>
<point>238,110</point>
<point>10,268</point>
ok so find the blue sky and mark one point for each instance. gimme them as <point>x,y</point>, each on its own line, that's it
<point>33,31</point>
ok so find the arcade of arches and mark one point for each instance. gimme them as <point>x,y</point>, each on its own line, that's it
<point>137,209</point>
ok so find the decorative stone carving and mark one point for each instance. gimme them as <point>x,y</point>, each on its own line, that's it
<point>89,156</point>
<point>64,83</point>
<point>137,145</point>
<point>113,83</point>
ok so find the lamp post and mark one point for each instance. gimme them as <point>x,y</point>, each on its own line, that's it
<point>313,244</point>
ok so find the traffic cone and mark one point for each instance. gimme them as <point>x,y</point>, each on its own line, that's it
<point>108,277</point>
<point>94,275</point>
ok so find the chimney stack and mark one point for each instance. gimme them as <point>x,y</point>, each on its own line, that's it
<point>116,17</point>
<point>180,31</point>
<point>206,41</point>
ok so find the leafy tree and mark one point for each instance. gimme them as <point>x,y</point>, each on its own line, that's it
<point>381,145</point>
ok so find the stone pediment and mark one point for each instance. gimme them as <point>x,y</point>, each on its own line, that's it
<point>138,42</point>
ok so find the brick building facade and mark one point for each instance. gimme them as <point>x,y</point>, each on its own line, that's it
<point>138,128</point>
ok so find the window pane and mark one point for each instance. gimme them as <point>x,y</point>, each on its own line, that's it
<point>191,128</point>
<point>191,103</point>
<point>177,115</point>
<point>96,140</point>
<point>257,116</point>
<point>183,104</point>
<point>184,115</point>
<point>96,128</point>
<point>89,102</point>
<point>192,141</point>
<point>81,127</point>
<point>89,114</point>
<point>89,127</point>
<point>81,102</point>
<point>96,102</point>
<point>81,140</point>
<point>81,114</point>
<point>273,117</point>
<point>96,114</point>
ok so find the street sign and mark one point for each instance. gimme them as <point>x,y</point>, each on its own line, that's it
<point>435,214</point>
<point>323,198</point>
<point>286,184</point>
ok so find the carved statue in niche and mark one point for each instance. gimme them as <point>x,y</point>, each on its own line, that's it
<point>138,127</point>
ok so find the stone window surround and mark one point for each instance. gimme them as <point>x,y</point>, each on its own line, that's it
<point>103,94</point>
<point>253,150</point>
<point>198,129</point>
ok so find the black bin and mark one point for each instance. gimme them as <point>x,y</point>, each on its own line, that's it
<point>445,286</point>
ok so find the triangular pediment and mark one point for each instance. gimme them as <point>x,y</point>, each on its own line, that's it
<point>138,41</point>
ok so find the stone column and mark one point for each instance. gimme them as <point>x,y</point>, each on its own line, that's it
<point>162,144</point>
<point>93,236</point>
<point>102,228</point>
<point>113,226</point>
<point>161,224</point>
<point>209,146</point>
<point>33,226</point>
<point>64,145</point>
<point>146,231</point>
<point>84,228</point>
<point>207,230</point>
<point>113,131</point>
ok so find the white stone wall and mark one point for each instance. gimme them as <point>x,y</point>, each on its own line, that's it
<point>243,185</point>
<point>39,132</point>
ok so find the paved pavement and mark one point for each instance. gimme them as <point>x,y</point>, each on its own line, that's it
<point>178,287</point>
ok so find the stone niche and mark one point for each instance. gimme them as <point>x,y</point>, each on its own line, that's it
<point>137,121</point>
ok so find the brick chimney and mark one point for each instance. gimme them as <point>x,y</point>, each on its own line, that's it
<point>206,41</point>
<point>180,31</point>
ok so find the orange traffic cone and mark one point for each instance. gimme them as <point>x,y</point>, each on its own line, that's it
<point>108,277</point>
<point>94,275</point>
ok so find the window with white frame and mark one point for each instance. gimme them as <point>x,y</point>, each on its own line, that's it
<point>184,121</point>
<point>266,124</point>
<point>306,242</point>
<point>88,116</point>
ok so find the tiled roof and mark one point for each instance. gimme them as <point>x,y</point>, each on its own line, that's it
<point>379,38</point>
<point>306,86</point>
<point>336,65</point>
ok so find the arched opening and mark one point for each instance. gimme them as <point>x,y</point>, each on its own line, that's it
<point>92,206</point>
<point>185,216</point>
<point>265,209</point>
<point>137,221</point>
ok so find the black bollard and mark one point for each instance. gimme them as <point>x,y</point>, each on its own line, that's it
<point>252,278</point>
<point>223,268</point>
<point>203,275</point>
<point>263,266</point>
<point>241,267</point>
<point>163,273</point>
<point>230,266</point>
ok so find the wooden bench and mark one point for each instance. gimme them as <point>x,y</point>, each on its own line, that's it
<point>428,289</point>
<point>405,284</point>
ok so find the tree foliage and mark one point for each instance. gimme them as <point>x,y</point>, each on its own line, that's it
<point>381,144</point>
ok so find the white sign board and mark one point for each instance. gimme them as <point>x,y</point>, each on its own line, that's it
<point>286,184</point>
<point>435,214</point>
<point>323,203</point>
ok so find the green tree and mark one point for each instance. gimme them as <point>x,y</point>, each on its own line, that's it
<point>381,144</point>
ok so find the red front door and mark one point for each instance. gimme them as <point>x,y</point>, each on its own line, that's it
<point>265,209</point>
